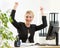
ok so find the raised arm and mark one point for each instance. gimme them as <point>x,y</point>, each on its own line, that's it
<point>44,21</point>
<point>15,23</point>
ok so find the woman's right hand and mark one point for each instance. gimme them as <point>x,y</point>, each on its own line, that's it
<point>15,5</point>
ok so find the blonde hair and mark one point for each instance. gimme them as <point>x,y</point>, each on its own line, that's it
<point>30,12</point>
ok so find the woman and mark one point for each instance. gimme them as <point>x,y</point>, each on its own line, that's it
<point>27,28</point>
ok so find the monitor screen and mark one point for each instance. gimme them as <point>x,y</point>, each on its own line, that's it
<point>53,29</point>
<point>50,34</point>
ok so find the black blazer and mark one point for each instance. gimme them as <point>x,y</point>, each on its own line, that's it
<point>23,30</point>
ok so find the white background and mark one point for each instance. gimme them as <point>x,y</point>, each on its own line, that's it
<point>34,5</point>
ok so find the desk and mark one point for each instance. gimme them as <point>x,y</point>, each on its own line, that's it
<point>34,45</point>
<point>39,47</point>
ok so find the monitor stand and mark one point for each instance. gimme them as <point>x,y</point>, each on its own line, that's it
<point>56,38</point>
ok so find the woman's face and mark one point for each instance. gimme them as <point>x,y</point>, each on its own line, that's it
<point>29,17</point>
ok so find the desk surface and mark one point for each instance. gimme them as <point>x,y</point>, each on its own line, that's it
<point>39,47</point>
<point>33,45</point>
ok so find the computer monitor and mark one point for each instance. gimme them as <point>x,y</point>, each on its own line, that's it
<point>53,31</point>
<point>53,28</point>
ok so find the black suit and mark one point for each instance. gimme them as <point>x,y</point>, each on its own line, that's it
<point>23,30</point>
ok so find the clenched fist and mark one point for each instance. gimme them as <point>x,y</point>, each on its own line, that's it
<point>15,5</point>
<point>41,9</point>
